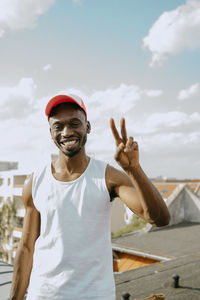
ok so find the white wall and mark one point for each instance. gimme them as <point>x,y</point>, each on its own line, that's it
<point>185,207</point>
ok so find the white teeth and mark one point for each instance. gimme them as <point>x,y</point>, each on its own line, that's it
<point>69,143</point>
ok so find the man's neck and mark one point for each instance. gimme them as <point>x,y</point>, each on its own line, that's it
<point>77,163</point>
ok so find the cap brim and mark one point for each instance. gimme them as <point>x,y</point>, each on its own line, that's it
<point>63,99</point>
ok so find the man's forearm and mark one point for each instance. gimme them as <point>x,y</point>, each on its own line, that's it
<point>154,208</point>
<point>22,271</point>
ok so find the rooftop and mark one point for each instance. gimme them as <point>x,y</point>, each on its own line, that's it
<point>170,241</point>
<point>180,243</point>
<point>6,272</point>
<point>157,278</point>
<point>167,187</point>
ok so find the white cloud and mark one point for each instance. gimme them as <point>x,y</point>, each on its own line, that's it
<point>47,67</point>
<point>174,31</point>
<point>154,93</point>
<point>23,125</point>
<point>117,101</point>
<point>187,93</point>
<point>34,133</point>
<point>17,101</point>
<point>158,122</point>
<point>174,144</point>
<point>19,14</point>
<point>158,134</point>
<point>164,141</point>
<point>120,99</point>
<point>26,141</point>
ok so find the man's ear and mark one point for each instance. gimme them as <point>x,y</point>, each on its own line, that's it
<point>88,127</point>
<point>50,131</point>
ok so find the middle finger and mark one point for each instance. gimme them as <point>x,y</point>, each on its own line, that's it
<point>123,130</point>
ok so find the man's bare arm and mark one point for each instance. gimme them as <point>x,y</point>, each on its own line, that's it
<point>135,190</point>
<point>24,257</point>
<point>145,201</point>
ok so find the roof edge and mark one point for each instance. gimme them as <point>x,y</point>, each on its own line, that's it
<point>140,253</point>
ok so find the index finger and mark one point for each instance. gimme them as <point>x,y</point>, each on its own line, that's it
<point>123,130</point>
<point>115,132</point>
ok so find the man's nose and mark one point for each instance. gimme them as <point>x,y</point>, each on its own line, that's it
<point>67,131</point>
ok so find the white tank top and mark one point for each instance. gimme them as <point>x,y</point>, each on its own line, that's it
<point>73,254</point>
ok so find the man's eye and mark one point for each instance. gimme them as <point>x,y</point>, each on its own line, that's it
<point>75,124</point>
<point>57,127</point>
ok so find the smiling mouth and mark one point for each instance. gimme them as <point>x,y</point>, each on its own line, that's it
<point>69,143</point>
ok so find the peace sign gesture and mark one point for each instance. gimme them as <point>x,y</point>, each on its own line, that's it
<point>127,154</point>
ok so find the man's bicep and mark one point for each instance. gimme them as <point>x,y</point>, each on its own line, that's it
<point>31,226</point>
<point>121,186</point>
<point>129,196</point>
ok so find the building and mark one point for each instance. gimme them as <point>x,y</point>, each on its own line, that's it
<point>11,185</point>
<point>176,248</point>
<point>180,244</point>
<point>166,187</point>
<point>8,165</point>
<point>183,203</point>
<point>119,216</point>
<point>122,216</point>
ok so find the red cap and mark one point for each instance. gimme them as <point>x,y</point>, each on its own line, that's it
<point>64,98</point>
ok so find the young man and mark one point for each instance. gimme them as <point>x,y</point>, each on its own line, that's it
<point>65,251</point>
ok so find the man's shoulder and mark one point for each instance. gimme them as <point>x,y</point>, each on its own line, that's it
<point>116,177</point>
<point>111,170</point>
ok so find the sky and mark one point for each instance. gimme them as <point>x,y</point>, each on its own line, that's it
<point>137,59</point>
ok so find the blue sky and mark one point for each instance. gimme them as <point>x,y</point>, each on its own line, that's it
<point>91,37</point>
<point>137,59</point>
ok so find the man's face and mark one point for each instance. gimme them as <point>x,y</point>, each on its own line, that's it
<point>69,129</point>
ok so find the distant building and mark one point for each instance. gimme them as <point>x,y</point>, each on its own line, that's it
<point>184,203</point>
<point>121,215</point>
<point>118,218</point>
<point>8,165</point>
<point>11,185</point>
<point>167,187</point>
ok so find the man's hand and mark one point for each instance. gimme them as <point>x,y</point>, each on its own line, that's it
<point>141,196</point>
<point>127,153</point>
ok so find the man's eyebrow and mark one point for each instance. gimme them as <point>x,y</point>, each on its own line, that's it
<point>56,123</point>
<point>75,119</point>
<point>71,120</point>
